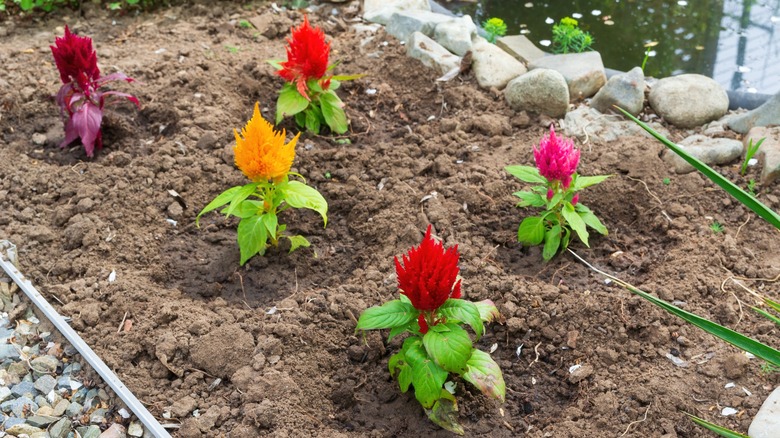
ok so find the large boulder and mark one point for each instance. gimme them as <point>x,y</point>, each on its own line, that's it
<point>455,35</point>
<point>626,90</point>
<point>380,11</point>
<point>584,72</point>
<point>403,23</point>
<point>706,149</point>
<point>590,126</point>
<point>766,115</point>
<point>689,100</point>
<point>540,91</point>
<point>492,66</point>
<point>520,47</point>
<point>431,53</point>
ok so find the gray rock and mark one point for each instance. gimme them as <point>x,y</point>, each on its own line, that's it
<point>5,393</point>
<point>45,384</point>
<point>492,66</point>
<point>115,431</point>
<point>455,35</point>
<point>8,351</point>
<point>89,432</point>
<point>23,428</point>
<point>520,47</point>
<point>60,407</point>
<point>41,420</point>
<point>708,150</point>
<point>380,11</point>
<point>431,54</point>
<point>765,115</point>
<point>79,396</point>
<point>626,90</point>
<point>672,99</point>
<point>589,125</point>
<point>24,388</point>
<point>766,423</point>
<point>45,364</point>
<point>12,421</point>
<point>74,409</point>
<point>60,429</point>
<point>404,23</point>
<point>98,416</point>
<point>584,72</point>
<point>72,368</point>
<point>135,429</point>
<point>540,91</point>
<point>769,151</point>
<point>18,406</point>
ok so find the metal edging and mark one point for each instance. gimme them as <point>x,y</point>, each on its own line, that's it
<point>94,361</point>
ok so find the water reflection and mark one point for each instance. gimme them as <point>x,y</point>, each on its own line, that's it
<point>734,41</point>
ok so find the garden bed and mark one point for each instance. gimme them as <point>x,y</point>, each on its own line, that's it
<point>279,332</point>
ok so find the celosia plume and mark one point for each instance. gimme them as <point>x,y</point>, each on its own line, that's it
<point>75,59</point>
<point>262,154</point>
<point>307,57</point>
<point>557,159</point>
<point>429,274</point>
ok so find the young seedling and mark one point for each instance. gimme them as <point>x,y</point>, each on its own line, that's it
<point>431,310</point>
<point>750,151</point>
<point>716,227</point>
<point>494,28</point>
<point>648,51</point>
<point>265,159</point>
<point>309,94</point>
<point>751,186</point>
<point>80,98</point>
<point>569,38</point>
<point>667,181</point>
<point>556,192</point>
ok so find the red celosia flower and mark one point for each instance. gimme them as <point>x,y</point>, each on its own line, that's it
<point>557,158</point>
<point>422,323</point>
<point>575,199</point>
<point>429,274</point>
<point>307,57</point>
<point>75,59</point>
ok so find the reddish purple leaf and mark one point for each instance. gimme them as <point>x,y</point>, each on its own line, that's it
<point>86,121</point>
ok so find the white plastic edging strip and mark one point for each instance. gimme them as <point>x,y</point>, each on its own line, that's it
<point>94,361</point>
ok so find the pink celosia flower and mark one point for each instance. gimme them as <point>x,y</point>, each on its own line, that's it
<point>575,199</point>
<point>557,158</point>
<point>550,194</point>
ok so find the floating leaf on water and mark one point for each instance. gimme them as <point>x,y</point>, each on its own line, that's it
<point>527,5</point>
<point>652,44</point>
<point>545,43</point>
<point>682,3</point>
<point>609,22</point>
<point>576,15</point>
<point>595,12</point>
<point>549,20</point>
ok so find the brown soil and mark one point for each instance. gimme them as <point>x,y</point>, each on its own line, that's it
<point>302,370</point>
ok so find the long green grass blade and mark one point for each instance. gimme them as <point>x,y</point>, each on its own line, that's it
<point>722,431</point>
<point>742,196</point>
<point>739,340</point>
<point>767,315</point>
<point>773,304</point>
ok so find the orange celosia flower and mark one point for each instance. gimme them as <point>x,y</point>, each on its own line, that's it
<point>261,154</point>
<point>307,57</point>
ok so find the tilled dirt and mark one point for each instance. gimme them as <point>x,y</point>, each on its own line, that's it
<point>279,331</point>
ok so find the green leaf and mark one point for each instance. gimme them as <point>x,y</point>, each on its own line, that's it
<point>395,331</point>
<point>346,77</point>
<point>444,413</point>
<point>773,304</point>
<point>252,237</point>
<point>297,242</point>
<point>531,231</point>
<point>219,201</point>
<point>722,431</point>
<point>391,314</point>
<point>300,120</point>
<point>290,102</point>
<point>580,182</point>
<point>451,349</point>
<point>554,200</point>
<point>488,311</point>
<point>485,374</point>
<point>575,221</point>
<point>270,221</point>
<point>275,63</point>
<point>299,195</point>
<point>530,199</point>
<point>312,122</point>
<point>742,196</point>
<point>457,310</point>
<point>427,377</point>
<point>332,111</point>
<point>405,377</point>
<point>241,194</point>
<point>526,173</point>
<point>767,315</point>
<point>552,241</point>
<point>246,208</point>
<point>592,221</point>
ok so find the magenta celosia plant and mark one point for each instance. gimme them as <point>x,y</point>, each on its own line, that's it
<point>430,308</point>
<point>558,184</point>
<point>80,98</point>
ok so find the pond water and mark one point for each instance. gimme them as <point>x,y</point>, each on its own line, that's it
<point>736,42</point>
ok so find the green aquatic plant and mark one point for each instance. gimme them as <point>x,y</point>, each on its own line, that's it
<point>569,38</point>
<point>494,28</point>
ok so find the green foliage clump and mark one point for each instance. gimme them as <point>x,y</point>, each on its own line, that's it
<point>569,38</point>
<point>494,28</point>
